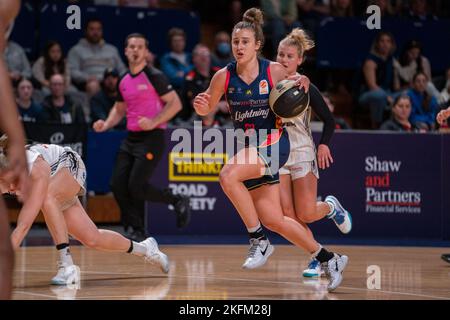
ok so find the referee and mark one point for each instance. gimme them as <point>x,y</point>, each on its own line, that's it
<point>148,101</point>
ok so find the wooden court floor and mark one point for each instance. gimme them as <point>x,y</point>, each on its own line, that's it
<point>214,272</point>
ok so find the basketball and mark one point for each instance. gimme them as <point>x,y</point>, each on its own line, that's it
<point>8,11</point>
<point>287,100</point>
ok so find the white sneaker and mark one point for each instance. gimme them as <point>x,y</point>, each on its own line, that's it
<point>313,270</point>
<point>259,252</point>
<point>154,256</point>
<point>341,217</point>
<point>333,270</point>
<point>67,275</point>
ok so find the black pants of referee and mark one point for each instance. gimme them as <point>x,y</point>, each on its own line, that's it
<point>138,157</point>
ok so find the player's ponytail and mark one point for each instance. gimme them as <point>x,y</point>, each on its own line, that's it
<point>299,39</point>
<point>253,19</point>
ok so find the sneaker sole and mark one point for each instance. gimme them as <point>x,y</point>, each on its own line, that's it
<point>342,277</point>
<point>270,250</point>
<point>310,275</point>
<point>334,199</point>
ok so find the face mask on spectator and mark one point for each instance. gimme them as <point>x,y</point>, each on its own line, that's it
<point>224,48</point>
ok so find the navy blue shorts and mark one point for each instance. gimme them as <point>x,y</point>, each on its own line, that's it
<point>273,161</point>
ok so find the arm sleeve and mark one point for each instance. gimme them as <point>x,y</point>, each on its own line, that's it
<point>323,112</point>
<point>119,97</point>
<point>159,81</point>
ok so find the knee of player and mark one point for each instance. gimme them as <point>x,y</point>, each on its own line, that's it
<point>91,240</point>
<point>306,216</point>
<point>227,178</point>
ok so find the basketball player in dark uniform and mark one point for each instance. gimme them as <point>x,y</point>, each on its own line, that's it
<point>250,179</point>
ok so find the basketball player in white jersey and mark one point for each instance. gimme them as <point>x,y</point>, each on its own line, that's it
<point>16,170</point>
<point>57,177</point>
<point>299,175</point>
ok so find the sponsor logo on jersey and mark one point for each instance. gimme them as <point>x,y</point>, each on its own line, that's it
<point>263,87</point>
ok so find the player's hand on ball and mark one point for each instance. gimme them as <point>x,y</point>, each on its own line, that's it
<point>301,81</point>
<point>201,104</point>
<point>324,156</point>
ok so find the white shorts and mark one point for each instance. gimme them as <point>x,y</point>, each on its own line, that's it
<point>78,170</point>
<point>299,169</point>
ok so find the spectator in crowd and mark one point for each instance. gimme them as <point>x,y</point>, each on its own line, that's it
<point>139,3</point>
<point>29,111</point>
<point>341,8</point>
<point>401,111</point>
<point>50,63</point>
<point>90,57</point>
<point>311,12</point>
<point>444,97</point>
<point>386,8</point>
<point>424,105</point>
<point>222,54</point>
<point>410,62</point>
<point>102,102</point>
<point>419,11</point>
<point>176,63</point>
<point>197,81</point>
<point>281,17</point>
<point>17,62</point>
<point>60,108</point>
<point>379,80</point>
<point>340,123</point>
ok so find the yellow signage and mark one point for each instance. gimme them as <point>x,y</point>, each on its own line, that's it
<point>196,166</point>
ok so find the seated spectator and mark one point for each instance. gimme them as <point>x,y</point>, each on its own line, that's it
<point>444,97</point>
<point>197,81</point>
<point>386,9</point>
<point>102,102</point>
<point>50,63</point>
<point>60,108</point>
<point>176,63</point>
<point>29,111</point>
<point>419,11</point>
<point>341,8</point>
<point>340,123</point>
<point>90,57</point>
<point>280,18</point>
<point>401,112</point>
<point>379,81</point>
<point>311,12</point>
<point>17,62</point>
<point>424,105</point>
<point>410,62</point>
<point>222,54</point>
<point>139,3</point>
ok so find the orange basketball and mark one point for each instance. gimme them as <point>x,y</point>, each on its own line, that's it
<point>8,11</point>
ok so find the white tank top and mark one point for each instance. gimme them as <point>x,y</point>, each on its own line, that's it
<point>300,136</point>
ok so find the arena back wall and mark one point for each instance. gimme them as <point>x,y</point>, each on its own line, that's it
<point>394,185</point>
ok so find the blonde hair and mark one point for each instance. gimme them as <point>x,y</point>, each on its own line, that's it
<point>299,39</point>
<point>253,19</point>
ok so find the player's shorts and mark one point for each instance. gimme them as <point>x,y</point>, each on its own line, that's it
<point>73,162</point>
<point>299,169</point>
<point>273,162</point>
